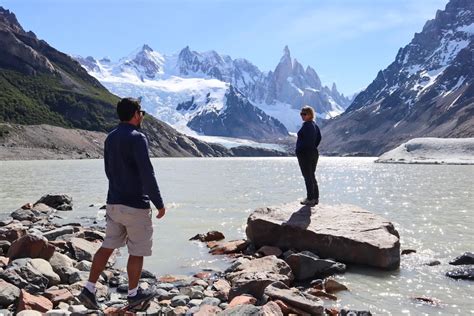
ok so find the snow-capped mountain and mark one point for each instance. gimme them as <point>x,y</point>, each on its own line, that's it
<point>427,91</point>
<point>203,79</point>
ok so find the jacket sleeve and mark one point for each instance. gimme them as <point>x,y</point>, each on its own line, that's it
<point>147,174</point>
<point>318,136</point>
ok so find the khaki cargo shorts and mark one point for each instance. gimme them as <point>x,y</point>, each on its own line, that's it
<point>129,226</point>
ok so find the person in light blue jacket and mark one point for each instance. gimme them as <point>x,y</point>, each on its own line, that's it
<point>309,137</point>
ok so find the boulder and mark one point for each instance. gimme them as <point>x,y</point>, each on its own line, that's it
<point>209,236</point>
<point>46,270</point>
<point>332,286</point>
<point>229,247</point>
<point>306,265</point>
<point>270,251</point>
<point>5,245</point>
<point>31,246</point>
<point>321,293</point>
<point>207,310</point>
<point>305,302</point>
<point>60,202</point>
<point>463,273</point>
<point>12,232</point>
<point>239,310</point>
<point>465,258</point>
<point>345,233</point>
<point>32,302</point>
<point>83,249</point>
<point>84,265</point>
<point>242,299</point>
<point>180,300</point>
<point>253,276</point>
<point>25,215</point>
<point>223,288</point>
<point>53,234</point>
<point>270,309</point>
<point>30,312</point>
<point>58,295</point>
<point>8,293</point>
<point>59,260</point>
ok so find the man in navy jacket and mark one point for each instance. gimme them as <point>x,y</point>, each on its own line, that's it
<point>132,185</point>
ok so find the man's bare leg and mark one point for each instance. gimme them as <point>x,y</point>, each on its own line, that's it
<point>99,262</point>
<point>134,270</point>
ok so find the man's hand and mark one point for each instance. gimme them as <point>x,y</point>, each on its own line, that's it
<point>161,213</point>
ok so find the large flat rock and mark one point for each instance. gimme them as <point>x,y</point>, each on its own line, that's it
<point>342,232</point>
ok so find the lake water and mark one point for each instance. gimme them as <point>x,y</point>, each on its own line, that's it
<point>432,207</point>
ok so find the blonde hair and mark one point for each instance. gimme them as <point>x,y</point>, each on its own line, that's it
<point>308,110</point>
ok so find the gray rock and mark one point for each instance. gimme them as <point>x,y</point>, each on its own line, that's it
<point>305,266</point>
<point>147,275</point>
<point>294,297</point>
<point>194,292</point>
<point>84,265</point>
<point>25,215</point>
<point>60,202</point>
<point>9,293</point>
<point>44,267</point>
<point>53,234</point>
<point>29,313</point>
<point>122,288</point>
<point>194,302</point>
<point>116,280</point>
<point>58,312</point>
<point>210,301</point>
<point>83,249</point>
<point>65,273</point>
<point>162,294</point>
<point>5,312</point>
<point>346,233</point>
<point>463,273</point>
<point>465,258</point>
<point>59,260</point>
<point>165,286</point>
<point>180,300</point>
<point>78,309</point>
<point>252,277</point>
<point>241,310</point>
<point>78,276</point>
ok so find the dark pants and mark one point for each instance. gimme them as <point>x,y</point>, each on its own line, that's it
<point>308,164</point>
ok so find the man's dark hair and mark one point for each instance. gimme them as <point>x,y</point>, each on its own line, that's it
<point>126,108</point>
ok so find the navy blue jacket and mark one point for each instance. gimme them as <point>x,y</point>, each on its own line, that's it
<point>128,167</point>
<point>309,138</point>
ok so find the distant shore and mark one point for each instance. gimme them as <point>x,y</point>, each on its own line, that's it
<point>430,150</point>
<point>47,142</point>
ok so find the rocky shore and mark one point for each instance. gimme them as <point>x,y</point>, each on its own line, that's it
<point>43,265</point>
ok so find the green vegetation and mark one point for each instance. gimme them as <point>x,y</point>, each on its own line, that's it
<point>47,99</point>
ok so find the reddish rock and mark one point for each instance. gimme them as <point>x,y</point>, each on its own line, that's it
<point>229,247</point>
<point>27,206</point>
<point>332,286</point>
<point>270,251</point>
<point>270,309</point>
<point>203,275</point>
<point>32,302</point>
<point>208,310</point>
<point>222,285</point>
<point>287,309</point>
<point>31,246</point>
<point>242,299</point>
<point>210,236</point>
<point>167,279</point>
<point>12,232</point>
<point>57,296</point>
<point>332,311</point>
<point>117,311</point>
<point>60,244</point>
<point>3,261</point>
<point>320,293</point>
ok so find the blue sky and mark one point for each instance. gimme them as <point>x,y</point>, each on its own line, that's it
<point>346,41</point>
